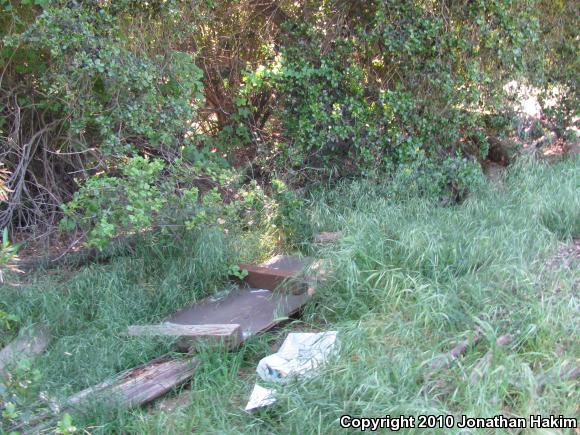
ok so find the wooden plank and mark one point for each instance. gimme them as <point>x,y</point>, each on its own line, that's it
<point>229,334</point>
<point>176,330</point>
<point>141,384</point>
<point>256,306</point>
<point>28,345</point>
<point>262,277</point>
<point>129,389</point>
<point>289,263</point>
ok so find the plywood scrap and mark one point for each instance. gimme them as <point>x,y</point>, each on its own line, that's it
<point>271,293</point>
<point>284,273</point>
<point>229,334</point>
<point>262,277</point>
<point>255,310</point>
<point>289,263</point>
<point>311,271</point>
<point>27,345</point>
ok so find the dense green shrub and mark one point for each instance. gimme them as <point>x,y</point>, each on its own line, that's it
<point>148,195</point>
<point>145,194</point>
<point>556,72</point>
<point>113,97</point>
<point>308,90</point>
<point>393,83</point>
<point>85,91</point>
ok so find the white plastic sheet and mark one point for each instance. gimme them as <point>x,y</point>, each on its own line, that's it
<point>300,355</point>
<point>260,397</point>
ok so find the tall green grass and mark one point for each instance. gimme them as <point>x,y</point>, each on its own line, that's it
<point>410,278</point>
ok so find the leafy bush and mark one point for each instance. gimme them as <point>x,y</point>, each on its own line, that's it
<point>9,324</point>
<point>390,85</point>
<point>87,91</point>
<point>146,194</point>
<point>308,90</point>
<point>556,65</point>
<point>112,95</point>
<point>127,202</point>
<point>450,179</point>
<point>289,214</point>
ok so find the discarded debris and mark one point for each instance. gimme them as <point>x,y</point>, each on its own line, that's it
<point>141,384</point>
<point>260,398</point>
<point>229,334</point>
<point>233,317</point>
<point>289,263</point>
<point>128,389</point>
<point>255,310</point>
<point>276,291</point>
<point>273,279</point>
<point>283,273</point>
<point>300,355</point>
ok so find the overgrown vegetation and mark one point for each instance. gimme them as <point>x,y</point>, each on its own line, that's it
<point>313,91</point>
<point>404,289</point>
<point>196,135</point>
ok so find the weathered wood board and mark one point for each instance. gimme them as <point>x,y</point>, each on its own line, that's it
<point>141,384</point>
<point>261,277</point>
<point>228,334</point>
<point>243,312</point>
<point>288,263</point>
<point>129,389</point>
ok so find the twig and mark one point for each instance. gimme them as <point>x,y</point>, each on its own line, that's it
<point>456,352</point>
